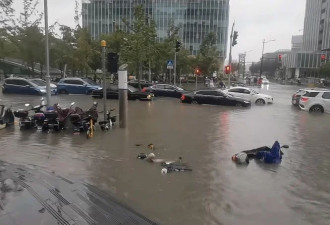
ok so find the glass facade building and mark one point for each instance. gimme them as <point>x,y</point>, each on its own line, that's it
<point>195,18</point>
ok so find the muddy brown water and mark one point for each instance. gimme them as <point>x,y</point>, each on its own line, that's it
<point>217,191</point>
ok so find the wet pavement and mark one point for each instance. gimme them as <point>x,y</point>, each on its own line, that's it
<point>217,191</point>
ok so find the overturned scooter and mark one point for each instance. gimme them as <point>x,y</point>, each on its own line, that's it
<point>265,154</point>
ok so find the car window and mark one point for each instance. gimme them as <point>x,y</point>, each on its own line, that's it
<point>90,81</point>
<point>39,82</point>
<point>132,89</point>
<point>169,87</point>
<point>219,93</point>
<point>76,82</point>
<point>311,94</point>
<point>246,91</point>
<point>19,82</point>
<point>326,95</point>
<point>206,92</point>
<point>160,86</point>
<point>235,90</point>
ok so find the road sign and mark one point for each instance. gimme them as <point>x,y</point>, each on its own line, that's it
<point>170,65</point>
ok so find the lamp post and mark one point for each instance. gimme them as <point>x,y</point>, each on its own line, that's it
<point>47,53</point>
<point>262,55</point>
<point>103,46</point>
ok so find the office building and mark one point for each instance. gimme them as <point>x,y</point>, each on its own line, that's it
<point>195,18</point>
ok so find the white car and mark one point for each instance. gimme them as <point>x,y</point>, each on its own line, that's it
<point>250,94</point>
<point>315,101</point>
<point>265,81</point>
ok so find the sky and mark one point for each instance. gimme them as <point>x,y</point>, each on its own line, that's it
<point>255,20</point>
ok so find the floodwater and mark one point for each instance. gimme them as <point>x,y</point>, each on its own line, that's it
<point>217,191</point>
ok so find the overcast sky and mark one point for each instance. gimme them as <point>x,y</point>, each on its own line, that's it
<point>254,21</point>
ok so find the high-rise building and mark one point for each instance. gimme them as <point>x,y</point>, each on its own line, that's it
<point>317,25</point>
<point>195,18</point>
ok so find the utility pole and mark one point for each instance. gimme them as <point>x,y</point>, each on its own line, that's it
<point>262,55</point>
<point>103,45</point>
<point>174,69</point>
<point>122,87</point>
<point>47,53</point>
<point>231,45</point>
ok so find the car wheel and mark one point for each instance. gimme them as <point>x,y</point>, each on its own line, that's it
<point>63,92</point>
<point>260,101</point>
<point>194,102</point>
<point>316,108</point>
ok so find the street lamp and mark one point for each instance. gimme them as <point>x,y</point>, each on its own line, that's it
<point>262,55</point>
<point>47,53</point>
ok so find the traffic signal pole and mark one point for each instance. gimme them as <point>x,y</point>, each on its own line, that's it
<point>174,69</point>
<point>231,45</point>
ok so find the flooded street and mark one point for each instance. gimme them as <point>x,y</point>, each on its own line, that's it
<point>217,191</point>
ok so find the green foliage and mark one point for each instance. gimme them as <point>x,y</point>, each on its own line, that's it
<point>325,70</point>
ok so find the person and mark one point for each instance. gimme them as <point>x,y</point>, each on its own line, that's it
<point>221,84</point>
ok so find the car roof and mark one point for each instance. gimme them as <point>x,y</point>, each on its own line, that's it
<point>316,89</point>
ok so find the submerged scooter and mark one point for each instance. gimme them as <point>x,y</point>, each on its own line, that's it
<point>56,117</point>
<point>109,122</point>
<point>26,121</point>
<point>265,154</point>
<point>6,117</point>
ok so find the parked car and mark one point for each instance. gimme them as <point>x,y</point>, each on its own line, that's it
<point>165,90</point>
<point>297,95</point>
<point>213,97</point>
<point>74,85</point>
<point>42,84</point>
<point>132,93</point>
<point>250,94</point>
<point>315,101</point>
<point>23,86</point>
<point>143,83</point>
<point>265,81</point>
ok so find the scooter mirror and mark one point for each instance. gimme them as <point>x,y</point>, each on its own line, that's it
<point>285,146</point>
<point>27,105</point>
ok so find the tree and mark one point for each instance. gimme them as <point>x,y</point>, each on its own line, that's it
<point>140,42</point>
<point>325,70</point>
<point>6,12</point>
<point>207,58</point>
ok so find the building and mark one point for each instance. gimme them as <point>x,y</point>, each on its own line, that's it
<point>196,18</point>
<point>305,59</point>
<point>297,43</point>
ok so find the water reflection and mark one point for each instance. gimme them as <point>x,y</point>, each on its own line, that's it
<point>217,191</point>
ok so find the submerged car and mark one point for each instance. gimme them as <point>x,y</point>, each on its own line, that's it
<point>74,85</point>
<point>132,93</point>
<point>42,84</point>
<point>250,94</point>
<point>165,90</point>
<point>315,100</point>
<point>213,97</point>
<point>23,86</point>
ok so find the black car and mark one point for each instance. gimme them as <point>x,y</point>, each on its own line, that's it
<point>135,83</point>
<point>132,93</point>
<point>165,90</point>
<point>213,97</point>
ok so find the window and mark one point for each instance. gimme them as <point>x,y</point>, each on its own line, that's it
<point>76,82</point>
<point>207,92</point>
<point>169,87</point>
<point>17,82</point>
<point>326,95</point>
<point>245,91</point>
<point>311,94</point>
<point>160,86</point>
<point>236,90</point>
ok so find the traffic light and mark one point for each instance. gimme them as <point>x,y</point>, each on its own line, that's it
<point>177,45</point>
<point>227,70</point>
<point>279,58</point>
<point>323,58</point>
<point>235,38</point>
<point>112,62</point>
<point>198,71</point>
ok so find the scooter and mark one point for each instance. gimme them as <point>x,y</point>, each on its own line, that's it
<point>6,117</point>
<point>109,122</point>
<point>83,121</point>
<point>56,117</point>
<point>26,121</point>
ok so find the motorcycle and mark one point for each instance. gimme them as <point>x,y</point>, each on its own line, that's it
<point>28,122</point>
<point>83,121</point>
<point>110,120</point>
<point>56,117</point>
<point>6,117</point>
